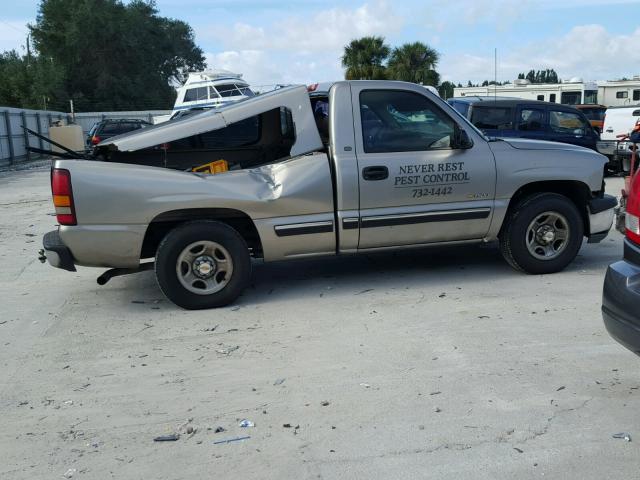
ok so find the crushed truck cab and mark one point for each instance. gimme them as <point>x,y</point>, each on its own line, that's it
<point>364,166</point>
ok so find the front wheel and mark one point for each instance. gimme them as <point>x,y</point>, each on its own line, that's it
<point>202,264</point>
<point>542,234</point>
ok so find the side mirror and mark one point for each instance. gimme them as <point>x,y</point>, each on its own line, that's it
<point>461,139</point>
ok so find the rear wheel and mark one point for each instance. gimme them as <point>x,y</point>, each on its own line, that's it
<point>202,264</point>
<point>542,234</point>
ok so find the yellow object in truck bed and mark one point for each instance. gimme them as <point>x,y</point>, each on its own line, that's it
<point>218,166</point>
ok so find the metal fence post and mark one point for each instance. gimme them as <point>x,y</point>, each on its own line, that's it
<point>23,114</point>
<point>7,120</point>
<point>39,120</point>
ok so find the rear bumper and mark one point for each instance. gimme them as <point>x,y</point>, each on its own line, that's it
<point>57,253</point>
<point>601,215</point>
<point>614,147</point>
<point>621,299</point>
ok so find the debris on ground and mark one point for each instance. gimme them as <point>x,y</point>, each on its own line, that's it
<point>167,438</point>
<point>442,295</point>
<point>437,409</point>
<point>227,351</point>
<point>365,291</point>
<point>212,329</point>
<point>365,385</point>
<point>70,473</point>
<point>560,388</point>
<point>219,430</point>
<point>324,403</point>
<point>229,440</point>
<point>279,381</point>
<point>246,423</point>
<point>624,436</point>
<point>518,450</point>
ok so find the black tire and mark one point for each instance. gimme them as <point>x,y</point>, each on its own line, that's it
<point>174,246</point>
<point>516,232</point>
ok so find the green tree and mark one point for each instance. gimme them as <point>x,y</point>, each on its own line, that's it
<point>115,56</point>
<point>414,62</point>
<point>531,76</point>
<point>29,81</point>
<point>446,89</point>
<point>548,75</point>
<point>364,59</point>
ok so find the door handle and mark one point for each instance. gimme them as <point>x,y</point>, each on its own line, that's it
<point>375,173</point>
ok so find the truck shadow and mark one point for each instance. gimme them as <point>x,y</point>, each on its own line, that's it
<point>434,268</point>
<point>428,268</point>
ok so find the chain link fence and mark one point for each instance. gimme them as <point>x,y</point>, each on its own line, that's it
<point>14,139</point>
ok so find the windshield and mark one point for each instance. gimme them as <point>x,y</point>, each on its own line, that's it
<point>449,108</point>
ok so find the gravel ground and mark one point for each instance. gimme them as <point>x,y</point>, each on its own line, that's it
<point>438,363</point>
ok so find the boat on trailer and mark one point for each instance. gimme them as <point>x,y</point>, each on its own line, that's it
<point>209,89</point>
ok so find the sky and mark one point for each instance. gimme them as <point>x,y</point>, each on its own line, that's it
<point>295,41</point>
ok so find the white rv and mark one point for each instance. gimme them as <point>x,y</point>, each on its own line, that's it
<point>570,92</point>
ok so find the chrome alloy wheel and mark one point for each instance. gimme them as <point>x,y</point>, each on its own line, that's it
<point>547,235</point>
<point>204,267</point>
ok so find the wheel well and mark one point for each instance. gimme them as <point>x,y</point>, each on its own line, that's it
<point>579,193</point>
<point>161,225</point>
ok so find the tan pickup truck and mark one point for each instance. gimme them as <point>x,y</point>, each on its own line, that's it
<point>362,167</point>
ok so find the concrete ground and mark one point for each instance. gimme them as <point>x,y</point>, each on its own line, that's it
<point>441,363</point>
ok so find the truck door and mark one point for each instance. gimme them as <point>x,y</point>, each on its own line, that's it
<point>414,187</point>
<point>571,127</point>
<point>531,122</point>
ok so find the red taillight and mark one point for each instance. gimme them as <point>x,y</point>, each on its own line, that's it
<point>632,216</point>
<point>95,140</point>
<point>63,196</point>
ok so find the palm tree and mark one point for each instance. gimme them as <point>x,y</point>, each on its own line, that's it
<point>414,62</point>
<point>363,58</point>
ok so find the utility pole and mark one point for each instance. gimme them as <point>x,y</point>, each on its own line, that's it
<point>495,74</point>
<point>28,52</point>
<point>73,118</point>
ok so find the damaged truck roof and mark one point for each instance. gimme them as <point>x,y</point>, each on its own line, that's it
<point>295,98</point>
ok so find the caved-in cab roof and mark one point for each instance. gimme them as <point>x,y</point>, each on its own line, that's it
<point>295,98</point>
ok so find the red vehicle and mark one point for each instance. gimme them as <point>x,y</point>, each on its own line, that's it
<point>621,293</point>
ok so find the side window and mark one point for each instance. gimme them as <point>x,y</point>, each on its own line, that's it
<point>567,123</point>
<point>213,93</point>
<point>194,94</point>
<point>622,94</point>
<point>531,120</point>
<point>571,98</point>
<point>401,121</point>
<point>636,95</point>
<point>492,118</point>
<point>552,98</point>
<point>228,90</point>
<point>112,128</point>
<point>541,98</point>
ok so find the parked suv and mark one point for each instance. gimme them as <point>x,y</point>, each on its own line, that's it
<point>110,128</point>
<point>528,119</point>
